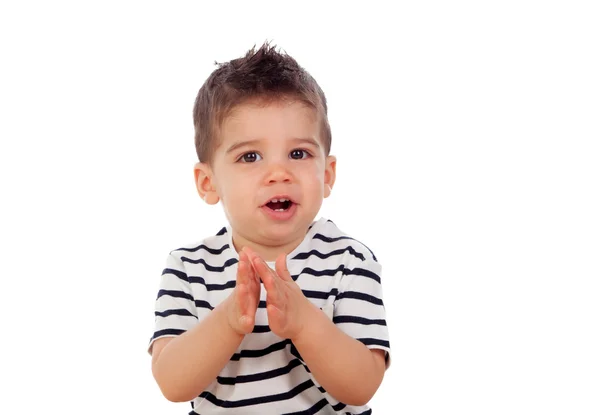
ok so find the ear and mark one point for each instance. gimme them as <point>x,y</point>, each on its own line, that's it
<point>204,183</point>
<point>330,163</point>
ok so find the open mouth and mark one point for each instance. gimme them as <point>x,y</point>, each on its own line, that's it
<point>279,205</point>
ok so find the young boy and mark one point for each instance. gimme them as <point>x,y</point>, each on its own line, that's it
<point>276,313</point>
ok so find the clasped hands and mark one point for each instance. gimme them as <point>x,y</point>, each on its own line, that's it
<point>287,307</point>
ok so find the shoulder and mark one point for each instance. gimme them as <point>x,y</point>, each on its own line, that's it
<point>326,235</point>
<point>215,249</point>
<point>328,251</point>
<point>334,253</point>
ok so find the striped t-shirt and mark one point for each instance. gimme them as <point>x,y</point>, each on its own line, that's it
<point>267,375</point>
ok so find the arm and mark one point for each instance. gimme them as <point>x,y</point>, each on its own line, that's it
<point>345,367</point>
<point>185,365</point>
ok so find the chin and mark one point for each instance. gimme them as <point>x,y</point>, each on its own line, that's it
<point>284,232</point>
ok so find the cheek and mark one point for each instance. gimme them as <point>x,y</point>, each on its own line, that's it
<point>238,189</point>
<point>313,180</point>
<point>317,173</point>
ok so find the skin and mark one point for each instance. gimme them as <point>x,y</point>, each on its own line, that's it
<point>270,134</point>
<point>266,151</point>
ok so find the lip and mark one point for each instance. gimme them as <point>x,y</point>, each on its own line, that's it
<point>280,216</point>
<point>282,196</point>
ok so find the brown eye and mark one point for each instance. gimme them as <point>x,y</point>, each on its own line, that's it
<point>250,157</point>
<point>299,154</point>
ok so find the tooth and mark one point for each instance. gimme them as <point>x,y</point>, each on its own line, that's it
<point>282,200</point>
<point>273,200</point>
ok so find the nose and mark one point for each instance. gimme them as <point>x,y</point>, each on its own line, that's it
<point>278,173</point>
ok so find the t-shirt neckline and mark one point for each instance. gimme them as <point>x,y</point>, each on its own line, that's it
<point>313,228</point>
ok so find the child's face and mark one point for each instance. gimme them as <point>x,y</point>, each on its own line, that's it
<point>265,153</point>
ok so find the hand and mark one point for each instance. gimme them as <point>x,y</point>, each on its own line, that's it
<point>243,301</point>
<point>286,304</point>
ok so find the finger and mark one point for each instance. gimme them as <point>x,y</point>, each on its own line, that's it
<point>275,287</point>
<point>245,254</point>
<point>269,280</point>
<point>248,287</point>
<point>281,268</point>
<point>253,284</point>
<point>250,254</point>
<point>262,269</point>
<point>241,297</point>
<point>252,275</point>
<point>245,315</point>
<point>242,272</point>
<point>276,316</point>
<point>254,258</point>
<point>274,298</point>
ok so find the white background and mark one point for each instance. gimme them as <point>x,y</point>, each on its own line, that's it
<point>467,135</point>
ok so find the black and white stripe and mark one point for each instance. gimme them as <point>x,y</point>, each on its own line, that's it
<point>267,374</point>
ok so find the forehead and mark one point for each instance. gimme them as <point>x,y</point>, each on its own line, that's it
<point>258,120</point>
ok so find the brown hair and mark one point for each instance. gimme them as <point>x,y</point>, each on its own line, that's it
<point>264,74</point>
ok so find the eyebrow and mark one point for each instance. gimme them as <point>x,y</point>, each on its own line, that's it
<point>241,144</point>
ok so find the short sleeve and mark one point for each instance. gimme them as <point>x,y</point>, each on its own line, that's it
<point>175,308</point>
<point>358,308</point>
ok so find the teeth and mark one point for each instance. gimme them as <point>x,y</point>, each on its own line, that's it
<point>279,200</point>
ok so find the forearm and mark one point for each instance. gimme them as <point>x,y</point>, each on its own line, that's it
<point>345,367</point>
<point>191,361</point>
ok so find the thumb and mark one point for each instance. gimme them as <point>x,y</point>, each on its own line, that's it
<point>281,268</point>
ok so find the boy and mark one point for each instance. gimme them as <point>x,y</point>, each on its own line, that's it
<point>276,313</point>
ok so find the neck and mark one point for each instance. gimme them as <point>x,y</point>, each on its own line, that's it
<point>268,253</point>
